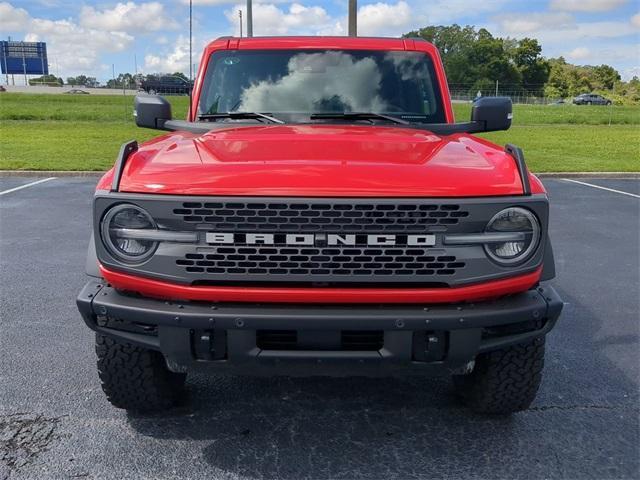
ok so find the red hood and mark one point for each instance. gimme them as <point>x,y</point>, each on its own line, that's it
<point>321,160</point>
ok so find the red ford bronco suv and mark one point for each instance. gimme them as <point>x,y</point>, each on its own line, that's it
<point>319,212</point>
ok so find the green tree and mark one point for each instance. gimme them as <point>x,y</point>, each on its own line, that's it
<point>605,77</point>
<point>181,75</point>
<point>50,80</point>
<point>534,69</point>
<point>79,80</point>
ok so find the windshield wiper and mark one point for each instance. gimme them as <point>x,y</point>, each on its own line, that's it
<point>239,116</point>
<point>358,116</point>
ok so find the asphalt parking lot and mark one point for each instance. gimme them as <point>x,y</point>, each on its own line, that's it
<point>56,423</point>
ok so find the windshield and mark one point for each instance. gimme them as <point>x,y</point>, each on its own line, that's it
<point>397,83</point>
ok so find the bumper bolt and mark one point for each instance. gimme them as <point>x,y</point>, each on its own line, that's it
<point>399,323</point>
<point>461,320</point>
<point>239,323</point>
<point>427,321</point>
<point>103,310</point>
<point>536,314</point>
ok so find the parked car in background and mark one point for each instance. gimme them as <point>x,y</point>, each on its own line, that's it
<point>591,99</point>
<point>167,84</point>
<point>76,91</point>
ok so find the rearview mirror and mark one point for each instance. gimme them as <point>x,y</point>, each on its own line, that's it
<point>495,113</point>
<point>151,111</point>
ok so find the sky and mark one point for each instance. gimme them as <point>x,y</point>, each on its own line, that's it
<point>90,37</point>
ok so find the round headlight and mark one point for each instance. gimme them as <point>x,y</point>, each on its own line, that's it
<point>117,222</point>
<point>514,220</point>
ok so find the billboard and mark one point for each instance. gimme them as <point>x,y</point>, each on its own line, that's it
<point>28,58</point>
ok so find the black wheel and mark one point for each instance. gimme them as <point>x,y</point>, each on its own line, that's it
<point>608,102</point>
<point>504,381</point>
<point>588,103</point>
<point>135,378</point>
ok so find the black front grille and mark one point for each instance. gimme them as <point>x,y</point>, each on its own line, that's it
<point>346,261</point>
<point>309,217</point>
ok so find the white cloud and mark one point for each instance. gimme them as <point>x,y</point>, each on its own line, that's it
<point>268,19</point>
<point>443,12</point>
<point>383,18</point>
<point>629,73</point>
<point>227,2</point>
<point>586,30</point>
<point>559,29</point>
<point>13,19</point>
<point>579,53</point>
<point>177,60</point>
<point>379,19</point>
<point>74,48</point>
<point>635,20</point>
<point>586,5</point>
<point>128,17</point>
<point>516,24</point>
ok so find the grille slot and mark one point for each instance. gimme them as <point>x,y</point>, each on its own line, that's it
<point>293,217</point>
<point>350,340</point>
<point>276,339</point>
<point>310,261</point>
<point>362,340</point>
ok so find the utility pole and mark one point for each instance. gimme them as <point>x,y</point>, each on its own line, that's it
<point>240,15</point>
<point>353,18</point>
<point>113,74</point>
<point>249,18</point>
<point>190,40</point>
<point>497,82</point>
<point>24,65</point>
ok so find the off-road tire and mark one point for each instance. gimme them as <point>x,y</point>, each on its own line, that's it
<point>503,381</point>
<point>135,378</point>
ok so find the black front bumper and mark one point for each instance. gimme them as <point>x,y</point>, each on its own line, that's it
<point>226,337</point>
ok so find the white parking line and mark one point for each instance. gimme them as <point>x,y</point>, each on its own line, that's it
<point>27,185</point>
<point>601,188</point>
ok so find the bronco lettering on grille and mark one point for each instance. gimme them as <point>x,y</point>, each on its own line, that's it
<point>318,239</point>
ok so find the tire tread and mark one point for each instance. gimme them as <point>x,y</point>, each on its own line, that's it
<point>134,378</point>
<point>504,381</point>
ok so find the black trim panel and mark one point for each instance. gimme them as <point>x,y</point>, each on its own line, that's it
<point>125,152</point>
<point>518,155</point>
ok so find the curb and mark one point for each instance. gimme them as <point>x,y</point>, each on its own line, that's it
<point>85,173</point>
<point>49,173</point>
<point>623,175</point>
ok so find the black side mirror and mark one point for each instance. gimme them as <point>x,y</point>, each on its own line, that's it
<point>151,111</point>
<point>495,113</point>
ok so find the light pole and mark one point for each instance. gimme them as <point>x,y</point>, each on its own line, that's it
<point>353,18</point>
<point>249,18</point>
<point>190,40</point>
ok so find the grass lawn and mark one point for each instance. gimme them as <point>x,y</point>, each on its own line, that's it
<point>66,132</point>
